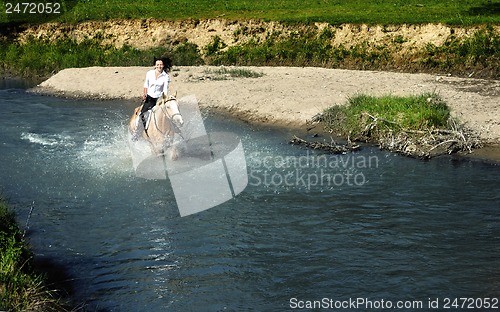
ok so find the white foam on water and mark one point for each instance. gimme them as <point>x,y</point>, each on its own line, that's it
<point>103,153</point>
<point>106,152</point>
<point>48,139</point>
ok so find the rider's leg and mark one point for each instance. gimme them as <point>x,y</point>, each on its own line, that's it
<point>140,125</point>
<point>147,105</point>
<point>138,128</point>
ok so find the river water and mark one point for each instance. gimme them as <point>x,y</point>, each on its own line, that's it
<point>369,227</point>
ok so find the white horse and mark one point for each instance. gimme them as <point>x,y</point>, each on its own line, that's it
<point>163,122</point>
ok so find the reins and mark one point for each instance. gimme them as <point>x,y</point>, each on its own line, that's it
<point>169,117</point>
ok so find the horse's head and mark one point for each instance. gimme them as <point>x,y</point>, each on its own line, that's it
<point>171,108</point>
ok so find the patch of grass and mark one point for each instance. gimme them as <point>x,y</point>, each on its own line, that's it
<point>426,111</point>
<point>414,125</point>
<point>292,11</point>
<point>305,46</point>
<point>21,289</point>
<point>308,46</point>
<point>42,57</point>
<point>185,54</point>
<point>480,52</point>
<point>215,46</point>
<point>224,73</point>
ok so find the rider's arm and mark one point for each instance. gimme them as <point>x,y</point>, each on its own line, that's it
<point>165,84</point>
<point>146,87</point>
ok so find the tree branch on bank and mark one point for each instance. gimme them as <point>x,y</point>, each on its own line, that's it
<point>331,147</point>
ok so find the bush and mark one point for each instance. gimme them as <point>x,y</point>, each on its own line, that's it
<point>418,126</point>
<point>42,57</point>
<point>426,111</point>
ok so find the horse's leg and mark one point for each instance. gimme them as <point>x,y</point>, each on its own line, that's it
<point>157,151</point>
<point>139,128</point>
<point>171,148</point>
<point>173,153</point>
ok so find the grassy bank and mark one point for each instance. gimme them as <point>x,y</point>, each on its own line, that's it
<point>42,57</point>
<point>21,288</point>
<point>418,126</point>
<point>307,46</point>
<point>470,12</point>
<point>477,54</point>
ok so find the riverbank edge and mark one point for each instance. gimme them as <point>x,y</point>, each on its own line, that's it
<point>463,51</point>
<point>43,290</point>
<point>489,152</point>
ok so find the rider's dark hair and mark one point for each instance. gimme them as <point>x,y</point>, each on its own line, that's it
<point>167,62</point>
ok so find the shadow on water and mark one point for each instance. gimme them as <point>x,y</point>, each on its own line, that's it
<point>16,83</point>
<point>57,276</point>
<point>65,284</point>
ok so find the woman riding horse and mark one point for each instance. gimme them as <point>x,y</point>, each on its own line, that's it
<point>155,84</point>
<point>164,122</point>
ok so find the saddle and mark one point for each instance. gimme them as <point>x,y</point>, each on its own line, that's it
<point>145,117</point>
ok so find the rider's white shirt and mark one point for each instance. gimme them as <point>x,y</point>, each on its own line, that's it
<point>156,86</point>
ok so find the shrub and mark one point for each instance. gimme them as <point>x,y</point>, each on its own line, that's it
<point>418,126</point>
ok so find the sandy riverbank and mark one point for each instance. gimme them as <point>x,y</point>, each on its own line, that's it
<point>289,96</point>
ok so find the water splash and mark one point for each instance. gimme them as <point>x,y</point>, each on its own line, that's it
<point>106,152</point>
<point>101,153</point>
<point>51,140</point>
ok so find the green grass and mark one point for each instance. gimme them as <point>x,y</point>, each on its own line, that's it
<point>479,53</point>
<point>21,289</point>
<point>414,113</point>
<point>305,47</point>
<point>42,57</point>
<point>482,49</point>
<point>225,73</point>
<point>417,126</point>
<point>458,12</point>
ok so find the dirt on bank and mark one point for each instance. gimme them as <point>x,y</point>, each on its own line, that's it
<point>377,47</point>
<point>289,96</point>
<point>148,33</point>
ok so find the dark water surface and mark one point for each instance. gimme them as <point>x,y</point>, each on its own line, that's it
<point>369,225</point>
